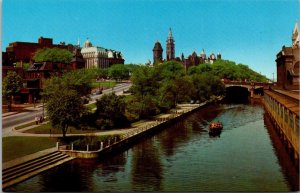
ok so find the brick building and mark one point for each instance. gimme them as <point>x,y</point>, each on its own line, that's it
<point>24,51</point>
<point>35,76</point>
<point>287,62</point>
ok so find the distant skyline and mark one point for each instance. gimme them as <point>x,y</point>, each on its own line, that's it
<point>249,32</point>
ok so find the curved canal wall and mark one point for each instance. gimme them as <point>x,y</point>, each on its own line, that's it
<point>133,136</point>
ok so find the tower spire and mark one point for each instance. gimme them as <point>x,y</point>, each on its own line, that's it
<point>170,51</point>
<point>170,34</point>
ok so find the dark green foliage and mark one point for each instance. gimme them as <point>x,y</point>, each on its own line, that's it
<point>11,86</point>
<point>169,70</point>
<point>53,55</point>
<point>225,69</point>
<point>64,98</point>
<point>118,72</point>
<point>79,80</point>
<point>64,108</point>
<point>144,88</point>
<point>206,85</point>
<point>175,90</point>
<point>110,112</point>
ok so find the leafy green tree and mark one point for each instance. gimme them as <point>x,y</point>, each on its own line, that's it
<point>11,86</point>
<point>200,69</point>
<point>64,108</point>
<point>169,70</point>
<point>53,55</point>
<point>64,101</point>
<point>118,72</point>
<point>110,112</point>
<point>144,88</point>
<point>174,91</point>
<point>79,80</point>
<point>132,68</point>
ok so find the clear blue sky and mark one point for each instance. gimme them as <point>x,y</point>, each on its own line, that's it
<point>248,32</point>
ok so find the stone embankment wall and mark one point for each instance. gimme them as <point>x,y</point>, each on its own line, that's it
<point>285,118</point>
<point>134,135</point>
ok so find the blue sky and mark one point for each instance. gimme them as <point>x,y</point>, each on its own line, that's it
<point>248,32</point>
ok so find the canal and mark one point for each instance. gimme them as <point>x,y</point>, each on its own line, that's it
<point>247,156</point>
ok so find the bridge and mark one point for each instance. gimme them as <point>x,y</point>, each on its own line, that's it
<point>247,84</point>
<point>246,87</point>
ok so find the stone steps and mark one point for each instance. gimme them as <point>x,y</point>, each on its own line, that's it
<point>23,171</point>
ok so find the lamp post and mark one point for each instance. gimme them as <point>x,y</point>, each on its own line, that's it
<point>43,107</point>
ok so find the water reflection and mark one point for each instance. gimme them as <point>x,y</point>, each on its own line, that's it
<point>146,167</point>
<point>287,164</point>
<point>183,157</point>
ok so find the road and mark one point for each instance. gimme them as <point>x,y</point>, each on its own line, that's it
<point>14,120</point>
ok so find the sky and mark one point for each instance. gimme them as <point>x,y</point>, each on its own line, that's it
<point>250,32</point>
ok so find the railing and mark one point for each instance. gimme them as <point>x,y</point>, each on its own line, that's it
<point>108,143</point>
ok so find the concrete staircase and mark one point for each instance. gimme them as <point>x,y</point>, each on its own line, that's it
<point>22,171</point>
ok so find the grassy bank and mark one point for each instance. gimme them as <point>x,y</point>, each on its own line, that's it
<point>14,147</point>
<point>45,129</point>
<point>104,84</point>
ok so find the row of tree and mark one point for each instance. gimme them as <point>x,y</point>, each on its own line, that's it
<point>154,90</point>
<point>226,69</point>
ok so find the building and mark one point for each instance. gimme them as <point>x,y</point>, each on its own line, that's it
<point>191,60</point>
<point>157,53</point>
<point>170,47</point>
<point>287,63</point>
<point>98,57</point>
<point>23,52</point>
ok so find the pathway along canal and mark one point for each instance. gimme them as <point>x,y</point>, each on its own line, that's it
<point>246,157</point>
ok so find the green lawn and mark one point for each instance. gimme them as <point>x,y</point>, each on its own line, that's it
<point>14,147</point>
<point>91,106</point>
<point>104,84</point>
<point>45,129</point>
<point>28,124</point>
<point>25,125</point>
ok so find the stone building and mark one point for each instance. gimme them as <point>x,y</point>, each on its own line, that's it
<point>287,62</point>
<point>24,51</point>
<point>99,57</point>
<point>170,47</point>
<point>191,60</point>
<point>157,53</point>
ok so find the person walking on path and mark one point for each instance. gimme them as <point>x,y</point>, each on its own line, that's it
<point>36,120</point>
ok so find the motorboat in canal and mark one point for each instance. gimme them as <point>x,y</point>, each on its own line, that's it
<point>215,128</point>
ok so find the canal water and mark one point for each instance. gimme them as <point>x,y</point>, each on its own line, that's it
<point>183,157</point>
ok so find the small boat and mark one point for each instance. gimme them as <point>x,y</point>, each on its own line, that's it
<point>215,125</point>
<point>215,128</point>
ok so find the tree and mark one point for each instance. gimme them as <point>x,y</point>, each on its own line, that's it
<point>144,88</point>
<point>175,90</point>
<point>11,86</point>
<point>53,55</point>
<point>79,80</point>
<point>64,108</point>
<point>63,96</point>
<point>169,70</point>
<point>110,112</point>
<point>118,72</point>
